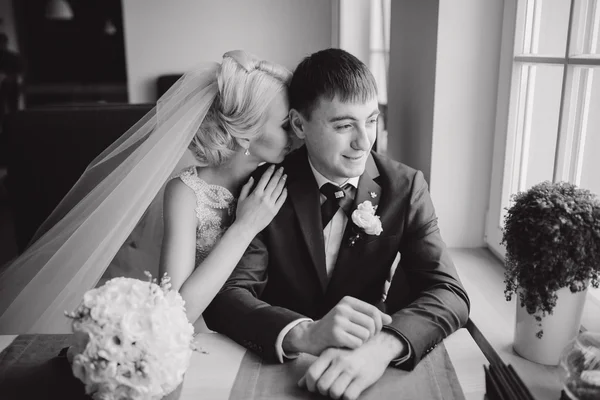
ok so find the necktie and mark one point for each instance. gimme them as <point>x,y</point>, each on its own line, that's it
<point>337,197</point>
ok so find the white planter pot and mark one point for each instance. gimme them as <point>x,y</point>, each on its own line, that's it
<point>559,328</point>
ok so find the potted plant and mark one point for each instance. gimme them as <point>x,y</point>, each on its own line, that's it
<point>552,239</point>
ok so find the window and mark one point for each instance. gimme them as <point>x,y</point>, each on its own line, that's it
<point>364,31</point>
<point>379,45</point>
<point>548,112</point>
<point>379,63</point>
<point>551,130</point>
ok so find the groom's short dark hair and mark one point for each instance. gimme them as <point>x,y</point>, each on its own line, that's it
<point>328,73</point>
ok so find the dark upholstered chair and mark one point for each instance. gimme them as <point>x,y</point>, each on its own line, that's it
<point>48,150</point>
<point>164,82</point>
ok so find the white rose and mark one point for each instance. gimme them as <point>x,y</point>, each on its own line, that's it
<point>122,392</point>
<point>138,292</point>
<point>99,312</point>
<point>135,324</point>
<point>89,298</point>
<point>364,217</point>
<point>80,367</point>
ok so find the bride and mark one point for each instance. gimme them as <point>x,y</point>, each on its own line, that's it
<point>231,117</point>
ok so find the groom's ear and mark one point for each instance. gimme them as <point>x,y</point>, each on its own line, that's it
<point>297,123</point>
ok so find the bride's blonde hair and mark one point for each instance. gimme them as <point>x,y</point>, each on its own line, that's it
<point>247,85</point>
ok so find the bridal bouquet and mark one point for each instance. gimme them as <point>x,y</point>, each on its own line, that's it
<point>133,340</point>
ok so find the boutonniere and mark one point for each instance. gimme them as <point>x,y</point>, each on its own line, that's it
<point>364,218</point>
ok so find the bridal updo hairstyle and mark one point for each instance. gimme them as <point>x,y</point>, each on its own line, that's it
<point>246,87</point>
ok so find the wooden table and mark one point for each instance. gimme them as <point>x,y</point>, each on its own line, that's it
<point>215,371</point>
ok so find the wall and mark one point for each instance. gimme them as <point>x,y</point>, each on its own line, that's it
<point>8,23</point>
<point>468,55</point>
<point>462,119</point>
<point>411,89</point>
<point>171,37</point>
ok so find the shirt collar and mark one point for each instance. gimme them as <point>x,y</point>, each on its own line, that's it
<point>321,180</point>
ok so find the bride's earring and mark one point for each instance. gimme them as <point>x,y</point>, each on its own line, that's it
<point>247,152</point>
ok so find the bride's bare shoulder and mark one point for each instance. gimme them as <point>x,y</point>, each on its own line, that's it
<point>178,193</point>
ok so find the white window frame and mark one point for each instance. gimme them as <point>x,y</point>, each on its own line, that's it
<point>379,46</point>
<point>506,170</point>
<point>493,229</point>
<point>506,167</point>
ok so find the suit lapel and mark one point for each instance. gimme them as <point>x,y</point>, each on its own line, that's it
<point>306,199</point>
<point>368,190</point>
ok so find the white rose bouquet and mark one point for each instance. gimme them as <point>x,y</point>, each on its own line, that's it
<point>133,340</point>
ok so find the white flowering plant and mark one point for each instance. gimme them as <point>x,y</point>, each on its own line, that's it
<point>132,340</point>
<point>364,218</point>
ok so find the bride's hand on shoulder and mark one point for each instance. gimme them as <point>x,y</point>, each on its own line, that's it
<point>256,209</point>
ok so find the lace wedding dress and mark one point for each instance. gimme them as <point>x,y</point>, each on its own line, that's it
<point>215,210</point>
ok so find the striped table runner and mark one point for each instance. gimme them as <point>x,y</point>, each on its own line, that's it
<point>31,368</point>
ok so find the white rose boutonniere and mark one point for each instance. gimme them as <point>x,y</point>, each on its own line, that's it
<point>364,218</point>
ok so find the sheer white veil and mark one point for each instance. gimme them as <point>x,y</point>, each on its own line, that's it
<point>74,246</point>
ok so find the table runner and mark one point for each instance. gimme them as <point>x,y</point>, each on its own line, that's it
<point>433,378</point>
<point>30,368</point>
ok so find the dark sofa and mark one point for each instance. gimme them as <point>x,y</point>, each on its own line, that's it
<point>164,83</point>
<point>49,148</point>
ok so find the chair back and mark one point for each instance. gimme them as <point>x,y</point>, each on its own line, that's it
<point>48,150</point>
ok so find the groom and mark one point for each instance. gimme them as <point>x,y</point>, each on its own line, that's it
<point>314,280</point>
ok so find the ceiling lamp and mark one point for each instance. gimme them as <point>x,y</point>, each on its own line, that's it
<point>58,10</point>
<point>110,28</point>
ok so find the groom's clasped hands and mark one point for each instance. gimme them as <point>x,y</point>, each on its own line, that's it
<point>349,324</point>
<point>353,351</point>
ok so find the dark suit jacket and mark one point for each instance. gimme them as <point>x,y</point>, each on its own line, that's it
<point>282,275</point>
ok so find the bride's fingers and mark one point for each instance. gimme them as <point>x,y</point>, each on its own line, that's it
<point>281,199</point>
<point>264,180</point>
<point>246,189</point>
<point>279,188</point>
<point>275,179</point>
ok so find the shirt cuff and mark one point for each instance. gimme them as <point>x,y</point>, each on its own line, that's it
<point>279,342</point>
<point>409,353</point>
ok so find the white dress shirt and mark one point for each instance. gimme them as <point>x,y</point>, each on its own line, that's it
<point>332,235</point>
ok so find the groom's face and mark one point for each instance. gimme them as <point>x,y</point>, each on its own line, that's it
<point>339,136</point>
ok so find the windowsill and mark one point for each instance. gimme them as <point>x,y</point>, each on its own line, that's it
<point>482,274</point>
<point>594,299</point>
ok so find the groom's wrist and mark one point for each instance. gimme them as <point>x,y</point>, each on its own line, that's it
<point>389,346</point>
<point>296,340</point>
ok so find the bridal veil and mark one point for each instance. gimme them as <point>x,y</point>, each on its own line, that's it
<point>74,246</point>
